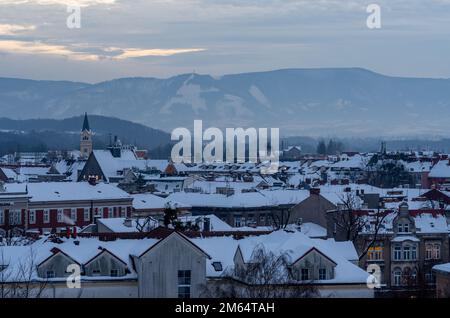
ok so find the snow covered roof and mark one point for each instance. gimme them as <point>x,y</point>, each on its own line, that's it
<point>78,191</point>
<point>440,170</point>
<point>9,173</point>
<point>295,244</point>
<point>242,200</point>
<point>146,201</point>
<point>442,267</point>
<point>313,230</point>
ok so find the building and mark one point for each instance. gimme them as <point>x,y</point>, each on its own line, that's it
<point>54,206</point>
<point>407,246</point>
<point>169,264</point>
<point>439,175</point>
<point>442,273</point>
<point>252,208</point>
<point>86,144</point>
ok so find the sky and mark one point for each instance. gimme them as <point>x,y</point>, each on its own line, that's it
<point>162,38</point>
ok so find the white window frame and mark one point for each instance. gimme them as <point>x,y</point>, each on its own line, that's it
<point>397,278</point>
<point>437,251</point>
<point>73,214</point>
<point>397,252</point>
<point>86,215</point>
<point>46,216</point>
<point>321,271</point>
<point>110,212</point>
<point>15,217</point>
<point>123,212</point>
<point>60,216</point>
<point>32,217</point>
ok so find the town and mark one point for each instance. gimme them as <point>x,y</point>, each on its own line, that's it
<point>346,224</point>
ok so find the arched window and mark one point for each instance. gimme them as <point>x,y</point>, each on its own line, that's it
<point>397,276</point>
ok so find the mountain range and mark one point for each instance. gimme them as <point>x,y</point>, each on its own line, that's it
<point>340,102</point>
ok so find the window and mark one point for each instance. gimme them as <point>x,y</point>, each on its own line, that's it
<point>397,253</point>
<point>406,253</point>
<point>96,272</point>
<point>237,221</point>
<point>2,217</point>
<point>322,273</point>
<point>73,214</point>
<point>430,278</point>
<point>15,217</point>
<point>432,251</point>
<point>304,274</point>
<point>114,272</point>
<point>60,216</point>
<point>184,284</point>
<point>46,216</point>
<point>397,277</point>
<point>437,251</point>
<point>50,274</point>
<point>32,216</point>
<point>110,213</point>
<point>406,227</point>
<point>375,253</point>
<point>217,266</point>
<point>86,215</point>
<point>123,212</point>
<point>414,252</point>
<point>403,227</point>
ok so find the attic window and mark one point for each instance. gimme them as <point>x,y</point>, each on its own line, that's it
<point>217,266</point>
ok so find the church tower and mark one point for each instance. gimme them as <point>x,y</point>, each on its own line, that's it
<point>86,139</point>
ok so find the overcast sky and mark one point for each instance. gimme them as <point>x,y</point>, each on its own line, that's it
<point>160,38</point>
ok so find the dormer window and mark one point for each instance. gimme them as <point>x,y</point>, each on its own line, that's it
<point>403,227</point>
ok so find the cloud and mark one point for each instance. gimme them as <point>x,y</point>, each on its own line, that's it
<point>13,29</point>
<point>35,47</point>
<point>135,52</point>
<point>40,48</point>
<point>81,3</point>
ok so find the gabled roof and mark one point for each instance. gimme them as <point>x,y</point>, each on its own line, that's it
<point>180,235</point>
<point>104,250</point>
<point>318,251</point>
<point>55,251</point>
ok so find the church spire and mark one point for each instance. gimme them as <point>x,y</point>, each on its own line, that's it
<point>86,123</point>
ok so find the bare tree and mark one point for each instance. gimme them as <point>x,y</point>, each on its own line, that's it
<point>351,222</point>
<point>18,279</point>
<point>266,275</point>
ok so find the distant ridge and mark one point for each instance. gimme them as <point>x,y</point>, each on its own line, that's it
<point>64,134</point>
<point>308,102</point>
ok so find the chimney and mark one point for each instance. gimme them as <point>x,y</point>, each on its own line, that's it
<point>74,232</point>
<point>206,225</point>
